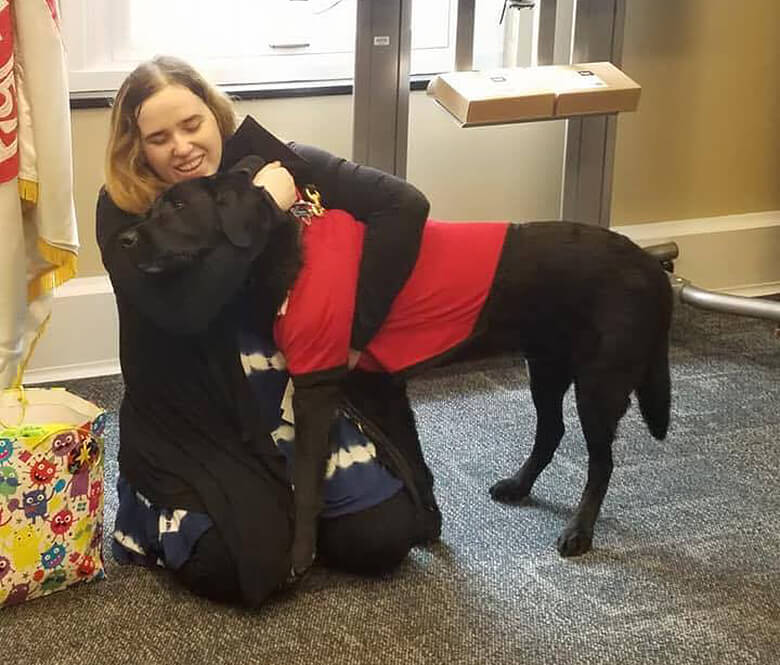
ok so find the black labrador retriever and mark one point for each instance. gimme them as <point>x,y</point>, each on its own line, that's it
<point>584,305</point>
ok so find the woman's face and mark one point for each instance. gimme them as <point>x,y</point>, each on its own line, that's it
<point>179,135</point>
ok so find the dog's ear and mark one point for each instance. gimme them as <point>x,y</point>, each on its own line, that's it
<point>234,207</point>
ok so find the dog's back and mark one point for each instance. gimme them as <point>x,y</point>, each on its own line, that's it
<point>590,297</point>
<point>577,285</point>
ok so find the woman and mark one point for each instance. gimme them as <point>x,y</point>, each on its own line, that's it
<point>204,488</point>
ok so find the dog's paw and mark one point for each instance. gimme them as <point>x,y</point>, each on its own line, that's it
<point>574,541</point>
<point>509,490</point>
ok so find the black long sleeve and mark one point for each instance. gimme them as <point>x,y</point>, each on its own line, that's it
<point>394,212</point>
<point>184,302</point>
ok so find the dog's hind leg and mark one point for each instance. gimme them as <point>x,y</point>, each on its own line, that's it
<point>550,379</point>
<point>601,402</point>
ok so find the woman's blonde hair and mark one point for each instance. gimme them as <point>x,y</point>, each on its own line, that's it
<point>130,182</point>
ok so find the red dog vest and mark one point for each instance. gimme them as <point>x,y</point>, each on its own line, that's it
<point>434,312</point>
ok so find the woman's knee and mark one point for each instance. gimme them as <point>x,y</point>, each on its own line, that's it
<point>370,542</point>
<point>210,571</point>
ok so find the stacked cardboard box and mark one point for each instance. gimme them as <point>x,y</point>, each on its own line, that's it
<point>534,93</point>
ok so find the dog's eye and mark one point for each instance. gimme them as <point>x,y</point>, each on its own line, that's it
<point>178,205</point>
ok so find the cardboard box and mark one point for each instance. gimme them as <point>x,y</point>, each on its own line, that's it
<point>594,87</point>
<point>490,97</point>
<point>534,93</point>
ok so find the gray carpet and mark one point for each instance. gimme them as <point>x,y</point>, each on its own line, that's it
<point>685,566</point>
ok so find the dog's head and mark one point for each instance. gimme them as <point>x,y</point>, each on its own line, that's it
<point>187,220</point>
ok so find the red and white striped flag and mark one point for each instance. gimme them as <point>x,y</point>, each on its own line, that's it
<point>38,227</point>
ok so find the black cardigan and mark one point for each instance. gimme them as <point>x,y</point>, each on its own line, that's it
<point>191,435</point>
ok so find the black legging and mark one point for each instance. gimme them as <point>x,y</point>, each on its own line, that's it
<point>370,542</point>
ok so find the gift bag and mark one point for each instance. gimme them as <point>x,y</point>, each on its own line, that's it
<point>51,492</point>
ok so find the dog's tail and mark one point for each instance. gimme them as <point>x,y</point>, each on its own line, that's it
<point>654,392</point>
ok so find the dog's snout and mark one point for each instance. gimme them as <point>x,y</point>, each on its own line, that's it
<point>128,239</point>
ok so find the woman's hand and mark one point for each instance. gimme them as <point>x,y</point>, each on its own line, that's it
<point>278,182</point>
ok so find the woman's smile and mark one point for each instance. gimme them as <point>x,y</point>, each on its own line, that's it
<point>191,165</point>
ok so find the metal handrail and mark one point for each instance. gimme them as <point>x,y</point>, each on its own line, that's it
<point>758,308</point>
<point>685,292</point>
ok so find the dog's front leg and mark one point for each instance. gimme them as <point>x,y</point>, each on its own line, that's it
<point>314,407</point>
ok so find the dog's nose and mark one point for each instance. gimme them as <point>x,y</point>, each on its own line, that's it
<point>128,239</point>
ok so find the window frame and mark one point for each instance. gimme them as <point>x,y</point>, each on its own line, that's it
<point>96,70</point>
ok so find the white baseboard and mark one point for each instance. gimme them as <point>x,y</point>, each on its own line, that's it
<point>655,231</point>
<point>82,338</point>
<point>754,290</point>
<point>738,254</point>
<point>735,254</point>
<point>85,370</point>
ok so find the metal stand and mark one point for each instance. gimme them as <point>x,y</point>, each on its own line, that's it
<point>586,32</point>
<point>464,36</point>
<point>381,100</point>
<point>590,141</point>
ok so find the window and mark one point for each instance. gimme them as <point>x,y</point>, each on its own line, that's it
<point>255,41</point>
<point>238,41</point>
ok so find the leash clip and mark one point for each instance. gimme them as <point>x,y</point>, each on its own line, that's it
<point>307,206</point>
<point>315,200</point>
<point>302,211</point>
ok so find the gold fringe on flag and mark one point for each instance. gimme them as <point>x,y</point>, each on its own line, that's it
<point>28,190</point>
<point>64,267</point>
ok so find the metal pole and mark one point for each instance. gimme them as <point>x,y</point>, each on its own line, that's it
<point>545,51</point>
<point>464,36</point>
<point>758,308</point>
<point>590,141</point>
<point>380,124</point>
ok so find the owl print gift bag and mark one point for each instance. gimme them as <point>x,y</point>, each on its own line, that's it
<point>51,492</point>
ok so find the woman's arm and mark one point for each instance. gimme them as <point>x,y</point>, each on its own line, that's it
<point>394,212</point>
<point>184,302</point>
